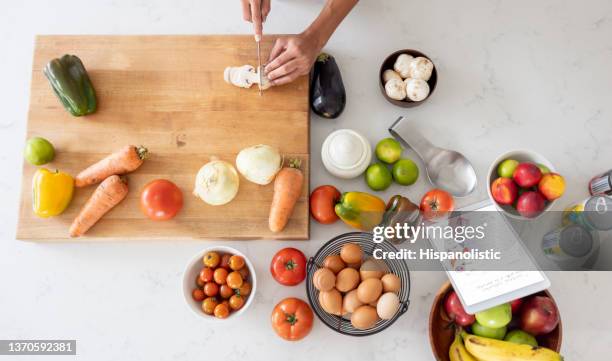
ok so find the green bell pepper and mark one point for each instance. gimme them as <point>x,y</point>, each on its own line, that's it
<point>71,84</point>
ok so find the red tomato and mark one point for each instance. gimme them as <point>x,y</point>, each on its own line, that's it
<point>322,202</point>
<point>436,203</point>
<point>292,319</point>
<point>161,200</point>
<point>288,266</point>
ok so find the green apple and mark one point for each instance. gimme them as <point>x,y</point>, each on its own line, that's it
<point>378,177</point>
<point>495,317</point>
<point>39,151</point>
<point>521,337</point>
<point>544,169</point>
<point>484,331</point>
<point>388,150</point>
<point>506,168</point>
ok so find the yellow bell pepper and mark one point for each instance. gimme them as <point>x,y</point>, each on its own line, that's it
<point>360,210</point>
<point>51,192</point>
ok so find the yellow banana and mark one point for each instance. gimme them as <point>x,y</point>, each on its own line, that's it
<point>457,351</point>
<point>487,349</point>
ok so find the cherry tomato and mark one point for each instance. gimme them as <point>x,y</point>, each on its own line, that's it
<point>211,259</point>
<point>161,200</point>
<point>234,280</point>
<point>198,295</point>
<point>288,266</point>
<point>236,262</point>
<point>206,274</point>
<point>437,203</point>
<point>244,272</point>
<point>209,304</point>
<point>220,276</point>
<point>245,289</point>
<point>199,282</point>
<point>225,261</point>
<point>221,310</point>
<point>226,302</point>
<point>292,319</point>
<point>211,289</point>
<point>226,291</point>
<point>322,202</point>
<point>236,302</point>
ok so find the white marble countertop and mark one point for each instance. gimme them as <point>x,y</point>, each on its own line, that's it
<point>511,75</point>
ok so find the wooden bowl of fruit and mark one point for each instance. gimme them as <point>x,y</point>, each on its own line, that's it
<point>219,283</point>
<point>523,184</point>
<point>536,313</point>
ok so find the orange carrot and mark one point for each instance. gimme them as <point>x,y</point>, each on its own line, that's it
<point>125,160</point>
<point>287,189</point>
<point>108,194</point>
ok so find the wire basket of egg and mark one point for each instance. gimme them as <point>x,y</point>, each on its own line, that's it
<point>352,292</point>
<point>407,78</point>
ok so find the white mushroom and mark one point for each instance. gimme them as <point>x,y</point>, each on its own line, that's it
<point>416,89</point>
<point>402,65</point>
<point>421,68</point>
<point>390,74</point>
<point>395,89</point>
<point>244,76</point>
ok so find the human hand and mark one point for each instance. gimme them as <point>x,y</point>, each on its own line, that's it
<point>256,11</point>
<point>291,57</point>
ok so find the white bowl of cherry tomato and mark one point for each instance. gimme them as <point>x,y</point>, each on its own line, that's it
<point>219,283</point>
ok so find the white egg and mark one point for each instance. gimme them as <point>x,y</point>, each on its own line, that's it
<point>387,305</point>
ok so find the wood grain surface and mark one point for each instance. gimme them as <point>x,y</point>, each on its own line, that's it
<point>168,94</point>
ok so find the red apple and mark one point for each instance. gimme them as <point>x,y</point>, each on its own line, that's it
<point>530,204</point>
<point>516,305</point>
<point>539,316</point>
<point>454,310</point>
<point>527,175</point>
<point>504,190</point>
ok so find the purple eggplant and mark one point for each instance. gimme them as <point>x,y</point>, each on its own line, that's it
<point>327,95</point>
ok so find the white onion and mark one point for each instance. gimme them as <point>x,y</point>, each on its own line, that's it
<point>217,182</point>
<point>259,163</point>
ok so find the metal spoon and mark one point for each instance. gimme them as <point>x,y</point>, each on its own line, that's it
<point>446,169</point>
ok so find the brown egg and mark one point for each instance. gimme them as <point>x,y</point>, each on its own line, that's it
<point>351,253</point>
<point>324,279</point>
<point>364,317</point>
<point>331,301</point>
<point>391,283</point>
<point>347,279</point>
<point>351,302</point>
<point>334,263</point>
<point>355,265</point>
<point>369,290</point>
<point>372,268</point>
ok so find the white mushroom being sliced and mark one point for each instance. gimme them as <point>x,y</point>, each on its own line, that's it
<point>402,65</point>
<point>416,89</point>
<point>390,74</point>
<point>395,89</point>
<point>244,76</point>
<point>421,68</point>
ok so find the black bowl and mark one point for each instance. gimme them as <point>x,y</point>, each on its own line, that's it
<point>364,240</point>
<point>388,64</point>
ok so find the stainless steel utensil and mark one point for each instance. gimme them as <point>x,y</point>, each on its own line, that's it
<point>259,69</point>
<point>446,169</point>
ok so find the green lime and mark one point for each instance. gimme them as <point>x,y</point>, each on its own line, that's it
<point>39,151</point>
<point>405,172</point>
<point>388,150</point>
<point>496,333</point>
<point>521,337</point>
<point>378,177</point>
<point>544,169</point>
<point>507,167</point>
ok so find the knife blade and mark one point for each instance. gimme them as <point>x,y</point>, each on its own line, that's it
<point>259,69</point>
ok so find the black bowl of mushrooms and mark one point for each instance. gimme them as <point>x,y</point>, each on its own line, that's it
<point>407,78</point>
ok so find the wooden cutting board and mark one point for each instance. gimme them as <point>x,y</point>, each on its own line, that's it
<point>168,94</point>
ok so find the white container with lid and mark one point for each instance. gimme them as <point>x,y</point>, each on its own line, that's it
<point>346,153</point>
